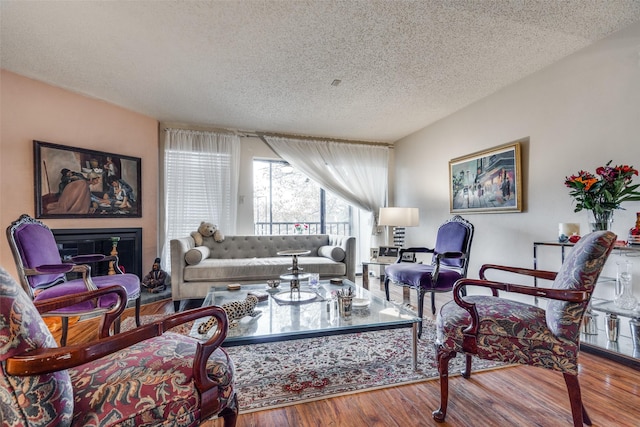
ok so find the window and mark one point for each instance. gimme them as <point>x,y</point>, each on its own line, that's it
<point>200,183</point>
<point>187,171</point>
<point>284,197</point>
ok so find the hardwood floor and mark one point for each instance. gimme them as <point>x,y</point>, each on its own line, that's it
<point>515,396</point>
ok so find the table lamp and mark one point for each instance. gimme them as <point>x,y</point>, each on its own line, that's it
<point>398,218</point>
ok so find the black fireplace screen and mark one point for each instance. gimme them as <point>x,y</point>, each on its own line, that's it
<point>72,242</point>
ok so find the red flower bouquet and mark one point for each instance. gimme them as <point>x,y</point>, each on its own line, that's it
<point>603,192</point>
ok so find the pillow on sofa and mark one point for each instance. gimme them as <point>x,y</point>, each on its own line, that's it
<point>335,253</point>
<point>197,254</point>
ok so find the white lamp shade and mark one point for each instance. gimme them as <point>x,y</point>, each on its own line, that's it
<point>399,217</point>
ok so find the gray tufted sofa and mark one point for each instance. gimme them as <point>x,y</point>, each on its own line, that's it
<point>254,259</point>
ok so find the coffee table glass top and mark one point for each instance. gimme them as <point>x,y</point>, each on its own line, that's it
<point>280,319</point>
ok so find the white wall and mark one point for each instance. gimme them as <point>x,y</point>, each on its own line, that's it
<point>35,110</point>
<point>578,113</point>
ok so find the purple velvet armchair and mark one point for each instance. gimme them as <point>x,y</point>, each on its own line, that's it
<point>145,377</point>
<point>510,331</point>
<point>449,263</point>
<point>43,274</point>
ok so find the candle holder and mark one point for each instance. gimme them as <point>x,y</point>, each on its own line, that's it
<point>590,323</point>
<point>114,253</point>
<point>612,327</point>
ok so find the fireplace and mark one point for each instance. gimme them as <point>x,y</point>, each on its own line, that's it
<point>72,242</point>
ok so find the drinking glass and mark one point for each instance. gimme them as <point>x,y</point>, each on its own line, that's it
<point>314,280</point>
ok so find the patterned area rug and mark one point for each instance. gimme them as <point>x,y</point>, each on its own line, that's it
<point>287,373</point>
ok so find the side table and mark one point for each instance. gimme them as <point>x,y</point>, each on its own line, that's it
<point>365,272</point>
<point>406,298</point>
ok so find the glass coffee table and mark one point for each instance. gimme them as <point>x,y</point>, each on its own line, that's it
<point>314,315</point>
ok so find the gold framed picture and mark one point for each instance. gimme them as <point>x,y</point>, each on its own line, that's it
<point>487,181</point>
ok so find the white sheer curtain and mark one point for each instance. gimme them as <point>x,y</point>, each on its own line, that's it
<point>354,171</point>
<point>199,183</point>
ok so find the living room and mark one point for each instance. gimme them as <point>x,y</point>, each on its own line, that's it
<point>578,113</point>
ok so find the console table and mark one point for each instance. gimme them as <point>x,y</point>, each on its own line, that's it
<point>623,349</point>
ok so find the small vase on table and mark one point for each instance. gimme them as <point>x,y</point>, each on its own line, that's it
<point>601,220</point>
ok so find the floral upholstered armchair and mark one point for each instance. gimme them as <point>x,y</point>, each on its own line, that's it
<point>143,377</point>
<point>502,329</point>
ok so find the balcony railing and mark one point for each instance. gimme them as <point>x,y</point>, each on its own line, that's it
<point>266,228</point>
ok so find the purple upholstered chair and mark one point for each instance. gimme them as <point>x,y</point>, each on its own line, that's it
<point>449,263</point>
<point>143,377</point>
<point>43,274</point>
<point>510,331</point>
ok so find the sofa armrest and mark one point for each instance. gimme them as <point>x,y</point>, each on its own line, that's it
<point>348,244</point>
<point>334,253</point>
<point>195,255</point>
<point>179,248</point>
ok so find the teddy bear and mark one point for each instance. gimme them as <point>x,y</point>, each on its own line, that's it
<point>207,229</point>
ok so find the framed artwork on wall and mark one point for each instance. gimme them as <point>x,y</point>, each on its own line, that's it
<point>77,183</point>
<point>487,181</point>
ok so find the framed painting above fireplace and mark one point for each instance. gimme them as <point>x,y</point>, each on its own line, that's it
<point>75,182</point>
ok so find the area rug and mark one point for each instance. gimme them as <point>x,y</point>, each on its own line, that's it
<point>285,373</point>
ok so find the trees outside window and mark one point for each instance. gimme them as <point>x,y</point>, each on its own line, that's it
<point>284,197</point>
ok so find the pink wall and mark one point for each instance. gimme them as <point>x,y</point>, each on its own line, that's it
<point>31,110</point>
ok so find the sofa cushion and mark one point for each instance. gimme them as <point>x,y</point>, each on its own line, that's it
<point>258,269</point>
<point>334,253</point>
<point>197,254</point>
<point>265,246</point>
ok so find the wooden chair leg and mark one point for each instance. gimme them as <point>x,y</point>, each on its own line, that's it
<point>466,373</point>
<point>230,413</point>
<point>138,304</point>
<point>420,309</point>
<point>443,357</point>
<point>433,303</point>
<point>585,416</point>
<point>65,331</point>
<point>575,397</point>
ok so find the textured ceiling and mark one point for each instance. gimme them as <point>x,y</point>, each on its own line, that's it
<point>268,65</point>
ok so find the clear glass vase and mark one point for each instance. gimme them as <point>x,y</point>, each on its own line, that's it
<point>601,220</point>
<point>624,298</point>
